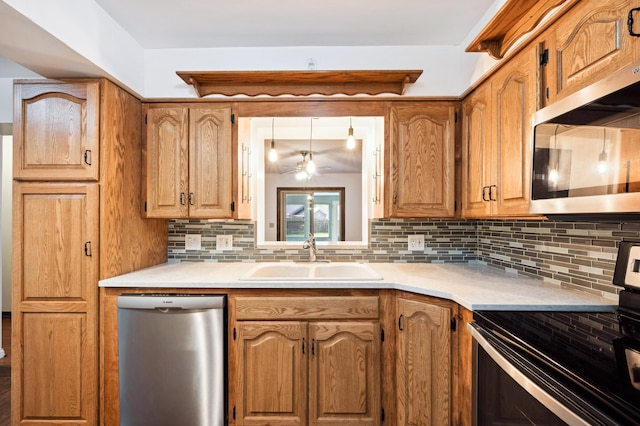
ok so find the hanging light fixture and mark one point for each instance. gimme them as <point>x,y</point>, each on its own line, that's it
<point>311,167</point>
<point>351,141</point>
<point>603,165</point>
<point>273,154</point>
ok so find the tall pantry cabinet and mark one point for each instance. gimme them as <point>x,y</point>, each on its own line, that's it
<point>76,219</point>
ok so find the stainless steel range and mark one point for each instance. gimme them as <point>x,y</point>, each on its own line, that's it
<point>557,368</point>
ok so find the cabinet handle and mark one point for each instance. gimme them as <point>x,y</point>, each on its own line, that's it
<point>87,157</point>
<point>303,345</point>
<point>484,193</point>
<point>191,198</point>
<point>491,192</point>
<point>395,196</point>
<point>182,198</point>
<point>87,249</point>
<point>630,22</point>
<point>313,346</point>
<point>400,326</point>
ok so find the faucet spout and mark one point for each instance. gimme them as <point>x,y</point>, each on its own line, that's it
<point>310,245</point>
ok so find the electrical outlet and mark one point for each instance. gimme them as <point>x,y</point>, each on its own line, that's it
<point>193,242</point>
<point>416,243</point>
<point>224,242</point>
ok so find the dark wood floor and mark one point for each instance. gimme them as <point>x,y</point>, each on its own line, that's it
<point>5,373</point>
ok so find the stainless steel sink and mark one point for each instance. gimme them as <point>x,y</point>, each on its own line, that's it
<point>311,272</point>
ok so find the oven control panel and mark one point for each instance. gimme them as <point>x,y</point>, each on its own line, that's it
<point>627,272</point>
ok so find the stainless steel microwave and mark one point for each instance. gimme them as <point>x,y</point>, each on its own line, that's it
<point>586,150</point>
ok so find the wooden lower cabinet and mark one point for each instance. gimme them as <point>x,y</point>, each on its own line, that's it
<point>424,363</point>
<point>308,359</point>
<point>315,373</point>
<point>273,373</point>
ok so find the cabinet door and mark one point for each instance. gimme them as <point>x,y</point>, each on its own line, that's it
<point>344,378</point>
<point>210,171</point>
<point>56,129</point>
<point>590,42</point>
<point>514,99</point>
<point>166,157</point>
<point>476,153</point>
<point>55,248</point>
<point>421,161</point>
<point>272,373</point>
<point>423,364</point>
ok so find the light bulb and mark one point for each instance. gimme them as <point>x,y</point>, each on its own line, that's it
<point>603,165</point>
<point>351,142</point>
<point>311,167</point>
<point>273,155</point>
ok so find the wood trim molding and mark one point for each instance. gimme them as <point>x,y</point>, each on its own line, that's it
<point>301,83</point>
<point>515,19</point>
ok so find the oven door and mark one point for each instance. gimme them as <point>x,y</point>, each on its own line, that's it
<point>511,389</point>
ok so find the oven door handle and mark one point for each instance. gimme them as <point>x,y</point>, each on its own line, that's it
<point>481,337</point>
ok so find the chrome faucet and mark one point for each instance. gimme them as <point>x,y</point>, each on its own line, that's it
<point>310,245</point>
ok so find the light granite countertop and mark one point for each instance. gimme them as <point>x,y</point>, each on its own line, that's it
<point>473,286</point>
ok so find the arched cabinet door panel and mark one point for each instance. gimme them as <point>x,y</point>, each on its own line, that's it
<point>56,131</point>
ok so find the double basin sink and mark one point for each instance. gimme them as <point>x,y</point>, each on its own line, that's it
<point>311,271</point>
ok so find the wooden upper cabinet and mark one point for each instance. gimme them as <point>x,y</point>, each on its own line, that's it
<point>210,171</point>
<point>420,160</point>
<point>495,141</point>
<point>588,43</point>
<point>167,159</point>
<point>514,95</point>
<point>56,131</point>
<point>476,152</point>
<point>188,162</point>
<point>424,366</point>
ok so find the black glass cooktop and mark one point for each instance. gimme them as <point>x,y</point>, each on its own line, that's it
<point>583,350</point>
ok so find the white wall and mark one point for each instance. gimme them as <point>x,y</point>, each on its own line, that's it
<point>5,221</point>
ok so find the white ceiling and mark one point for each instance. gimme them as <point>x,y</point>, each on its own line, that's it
<point>160,24</point>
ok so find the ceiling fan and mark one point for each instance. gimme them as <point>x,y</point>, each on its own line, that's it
<point>305,169</point>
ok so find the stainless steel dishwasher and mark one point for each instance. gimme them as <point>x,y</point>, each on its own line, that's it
<point>172,359</point>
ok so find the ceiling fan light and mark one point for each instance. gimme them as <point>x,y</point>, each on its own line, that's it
<point>311,167</point>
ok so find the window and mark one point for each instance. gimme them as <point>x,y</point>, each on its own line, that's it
<point>319,211</point>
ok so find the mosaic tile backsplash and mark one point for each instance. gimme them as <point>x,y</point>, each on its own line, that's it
<point>573,254</point>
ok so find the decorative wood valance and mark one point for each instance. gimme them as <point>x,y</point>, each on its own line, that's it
<point>513,20</point>
<point>274,83</point>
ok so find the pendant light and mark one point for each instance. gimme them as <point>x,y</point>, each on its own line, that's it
<point>351,142</point>
<point>311,167</point>
<point>273,154</point>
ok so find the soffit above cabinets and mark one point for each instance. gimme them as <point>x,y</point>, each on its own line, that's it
<point>302,83</point>
<point>515,19</point>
